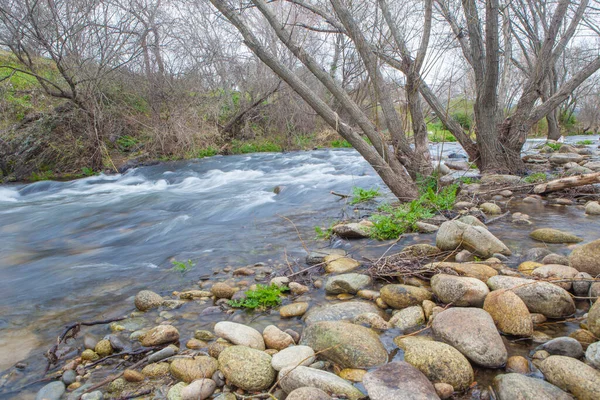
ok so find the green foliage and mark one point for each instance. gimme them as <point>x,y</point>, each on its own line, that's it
<point>87,171</point>
<point>441,136</point>
<point>339,144</point>
<point>586,142</point>
<point>41,176</point>
<point>467,180</point>
<point>554,146</point>
<point>238,147</point>
<point>207,152</point>
<point>567,119</point>
<point>464,119</point>
<point>323,233</point>
<point>537,177</point>
<point>394,221</point>
<point>262,298</point>
<point>360,195</point>
<point>181,266</point>
<point>126,143</point>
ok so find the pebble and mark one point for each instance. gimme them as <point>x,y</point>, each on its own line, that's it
<point>160,335</point>
<point>69,377</point>
<point>52,391</point>
<point>198,390</point>
<point>95,395</point>
<point>131,375</point>
<point>275,338</point>
<point>161,354</point>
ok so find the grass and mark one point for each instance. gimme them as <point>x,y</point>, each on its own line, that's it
<point>466,180</point>
<point>262,298</point>
<point>360,195</point>
<point>238,147</point>
<point>441,136</point>
<point>394,221</point>
<point>586,142</point>
<point>537,177</point>
<point>182,267</point>
<point>554,146</point>
<point>207,152</point>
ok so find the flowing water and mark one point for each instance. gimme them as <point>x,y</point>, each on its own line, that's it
<point>79,250</point>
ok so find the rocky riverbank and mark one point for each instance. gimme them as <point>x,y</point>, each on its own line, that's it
<point>462,316</point>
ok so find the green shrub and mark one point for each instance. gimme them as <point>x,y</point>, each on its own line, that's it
<point>238,147</point>
<point>360,195</point>
<point>338,144</point>
<point>442,136</point>
<point>586,142</point>
<point>554,146</point>
<point>208,152</point>
<point>464,119</point>
<point>537,177</point>
<point>126,143</point>
<point>262,298</point>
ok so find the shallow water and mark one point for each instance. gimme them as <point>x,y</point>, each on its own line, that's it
<point>79,250</point>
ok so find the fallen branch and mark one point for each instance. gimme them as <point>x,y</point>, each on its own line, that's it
<point>565,183</point>
<point>343,196</point>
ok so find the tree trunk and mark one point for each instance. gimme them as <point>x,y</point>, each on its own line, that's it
<point>553,128</point>
<point>419,127</point>
<point>565,183</point>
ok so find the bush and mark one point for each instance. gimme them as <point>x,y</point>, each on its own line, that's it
<point>465,120</point>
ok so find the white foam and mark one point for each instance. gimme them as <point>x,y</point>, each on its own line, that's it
<point>8,195</point>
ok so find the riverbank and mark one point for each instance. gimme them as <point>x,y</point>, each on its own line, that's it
<point>390,293</point>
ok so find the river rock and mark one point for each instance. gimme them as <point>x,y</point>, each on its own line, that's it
<point>293,310</point>
<point>399,381</point>
<point>247,368</point>
<point>509,312</point>
<point>564,158</point>
<point>556,272</point>
<point>199,390</point>
<point>592,355</point>
<point>341,311</point>
<point>147,300</point>
<point>438,361</point>
<point>455,234</point>
<point>161,354</point>
<point>458,290</point>
<point>472,332</point>
<point>572,375</point>
<point>190,369</point>
<point>499,179</point>
<point>517,364</point>
<point>103,348</point>
<point>318,256</point>
<point>160,334</point>
<point>424,227</point>
<point>536,254</point>
<point>240,334</point>
<point>555,259</point>
<point>156,370</point>
<point>293,378</point>
<point>550,235</point>
<point>594,318</point>
<point>349,345</point>
<point>339,264</point>
<point>490,208</point>
<point>586,258</point>
<point>131,375</point>
<point>592,208</point>
<point>472,270</point>
<point>563,346</point>
<point>517,386</point>
<point>347,283</point>
<point>308,393</point>
<point>371,320</point>
<point>276,339</point>
<point>402,296</point>
<point>472,220</point>
<point>293,356</point>
<point>407,318</point>
<point>584,337</point>
<point>52,391</point>
<point>174,392</point>
<point>354,230</point>
<point>582,281</point>
<point>539,297</point>
<point>222,290</point>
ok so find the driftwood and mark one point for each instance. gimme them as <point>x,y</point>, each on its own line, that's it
<point>565,183</point>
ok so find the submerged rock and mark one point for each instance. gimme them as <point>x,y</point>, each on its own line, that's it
<point>550,235</point>
<point>399,381</point>
<point>293,378</point>
<point>438,361</point>
<point>52,391</point>
<point>339,264</point>
<point>147,300</point>
<point>472,332</point>
<point>247,368</point>
<point>346,344</point>
<point>592,208</point>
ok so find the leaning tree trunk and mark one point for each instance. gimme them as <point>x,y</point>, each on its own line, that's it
<point>422,155</point>
<point>553,127</point>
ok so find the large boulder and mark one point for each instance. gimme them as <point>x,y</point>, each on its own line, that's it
<point>341,311</point>
<point>240,334</point>
<point>458,290</point>
<point>550,235</point>
<point>247,368</point>
<point>472,332</point>
<point>438,361</point>
<point>399,381</point>
<point>346,344</point>
<point>455,234</point>
<point>509,312</point>
<point>402,296</point>
<point>539,297</point>
<point>292,378</point>
<point>572,375</point>
<point>347,283</point>
<point>518,386</point>
<point>586,258</point>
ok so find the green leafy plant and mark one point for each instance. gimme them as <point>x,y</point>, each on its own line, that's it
<point>261,298</point>
<point>87,171</point>
<point>360,195</point>
<point>238,147</point>
<point>181,266</point>
<point>467,180</point>
<point>126,143</point>
<point>338,144</point>
<point>441,136</point>
<point>208,152</point>
<point>554,146</point>
<point>537,177</point>
<point>586,142</point>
